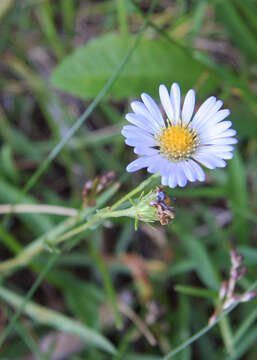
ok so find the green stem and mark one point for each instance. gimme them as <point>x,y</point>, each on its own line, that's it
<point>227,336</point>
<point>122,17</point>
<point>68,15</point>
<point>55,237</point>
<point>46,20</point>
<point>139,188</point>
<point>52,236</point>
<point>102,214</point>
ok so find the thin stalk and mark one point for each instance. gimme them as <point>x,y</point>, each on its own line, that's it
<point>227,336</point>
<point>46,20</point>
<point>68,15</point>
<point>122,17</point>
<point>245,326</point>
<point>29,341</point>
<point>205,329</point>
<point>39,209</point>
<point>139,188</point>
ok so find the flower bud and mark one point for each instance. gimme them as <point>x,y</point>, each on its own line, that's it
<point>223,290</point>
<point>143,210</point>
<point>236,258</point>
<point>250,295</point>
<point>241,272</point>
<point>231,301</point>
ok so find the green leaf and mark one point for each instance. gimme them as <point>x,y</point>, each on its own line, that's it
<point>238,194</point>
<point>204,267</point>
<point>156,61</point>
<point>7,163</point>
<point>195,291</point>
<point>237,28</point>
<point>58,321</point>
<point>83,300</point>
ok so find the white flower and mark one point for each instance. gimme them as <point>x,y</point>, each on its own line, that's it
<point>174,145</point>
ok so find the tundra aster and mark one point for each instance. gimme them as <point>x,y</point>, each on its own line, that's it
<point>175,144</point>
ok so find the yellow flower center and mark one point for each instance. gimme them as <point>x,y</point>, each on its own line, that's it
<point>178,142</point>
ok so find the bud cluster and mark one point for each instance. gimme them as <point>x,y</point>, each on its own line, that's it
<point>227,295</point>
<point>163,206</point>
<point>154,206</point>
<point>93,187</point>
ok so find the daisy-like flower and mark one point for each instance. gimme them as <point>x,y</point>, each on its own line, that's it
<point>175,144</point>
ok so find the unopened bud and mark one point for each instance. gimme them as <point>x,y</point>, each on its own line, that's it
<point>212,319</point>
<point>248,296</point>
<point>234,274</point>
<point>231,301</point>
<point>143,210</point>
<point>236,258</point>
<point>223,290</point>
<point>241,272</point>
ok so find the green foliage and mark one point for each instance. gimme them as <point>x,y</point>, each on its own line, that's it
<point>84,301</point>
<point>85,71</point>
<point>73,274</point>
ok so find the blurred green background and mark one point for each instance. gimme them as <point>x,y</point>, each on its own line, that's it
<point>113,292</point>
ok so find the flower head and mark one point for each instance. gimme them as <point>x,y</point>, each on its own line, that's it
<point>175,144</point>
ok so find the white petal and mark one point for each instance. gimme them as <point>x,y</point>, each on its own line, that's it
<point>229,133</point>
<point>175,98</point>
<point>138,164</point>
<point>216,130</point>
<point>166,102</point>
<point>164,166</point>
<point>223,141</point>
<point>208,116</point>
<point>220,115</point>
<point>155,164</point>
<point>181,177</point>
<point>140,109</point>
<point>139,141</point>
<point>153,108</point>
<point>131,130</point>
<point>225,155</point>
<point>203,110</point>
<point>142,122</point>
<point>211,121</point>
<point>198,170</point>
<point>144,150</point>
<point>215,148</point>
<point>209,138</point>
<point>188,171</point>
<point>173,181</point>
<point>165,180</point>
<point>209,161</point>
<point>223,152</point>
<point>188,106</point>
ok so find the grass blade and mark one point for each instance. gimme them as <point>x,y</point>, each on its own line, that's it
<point>58,321</point>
